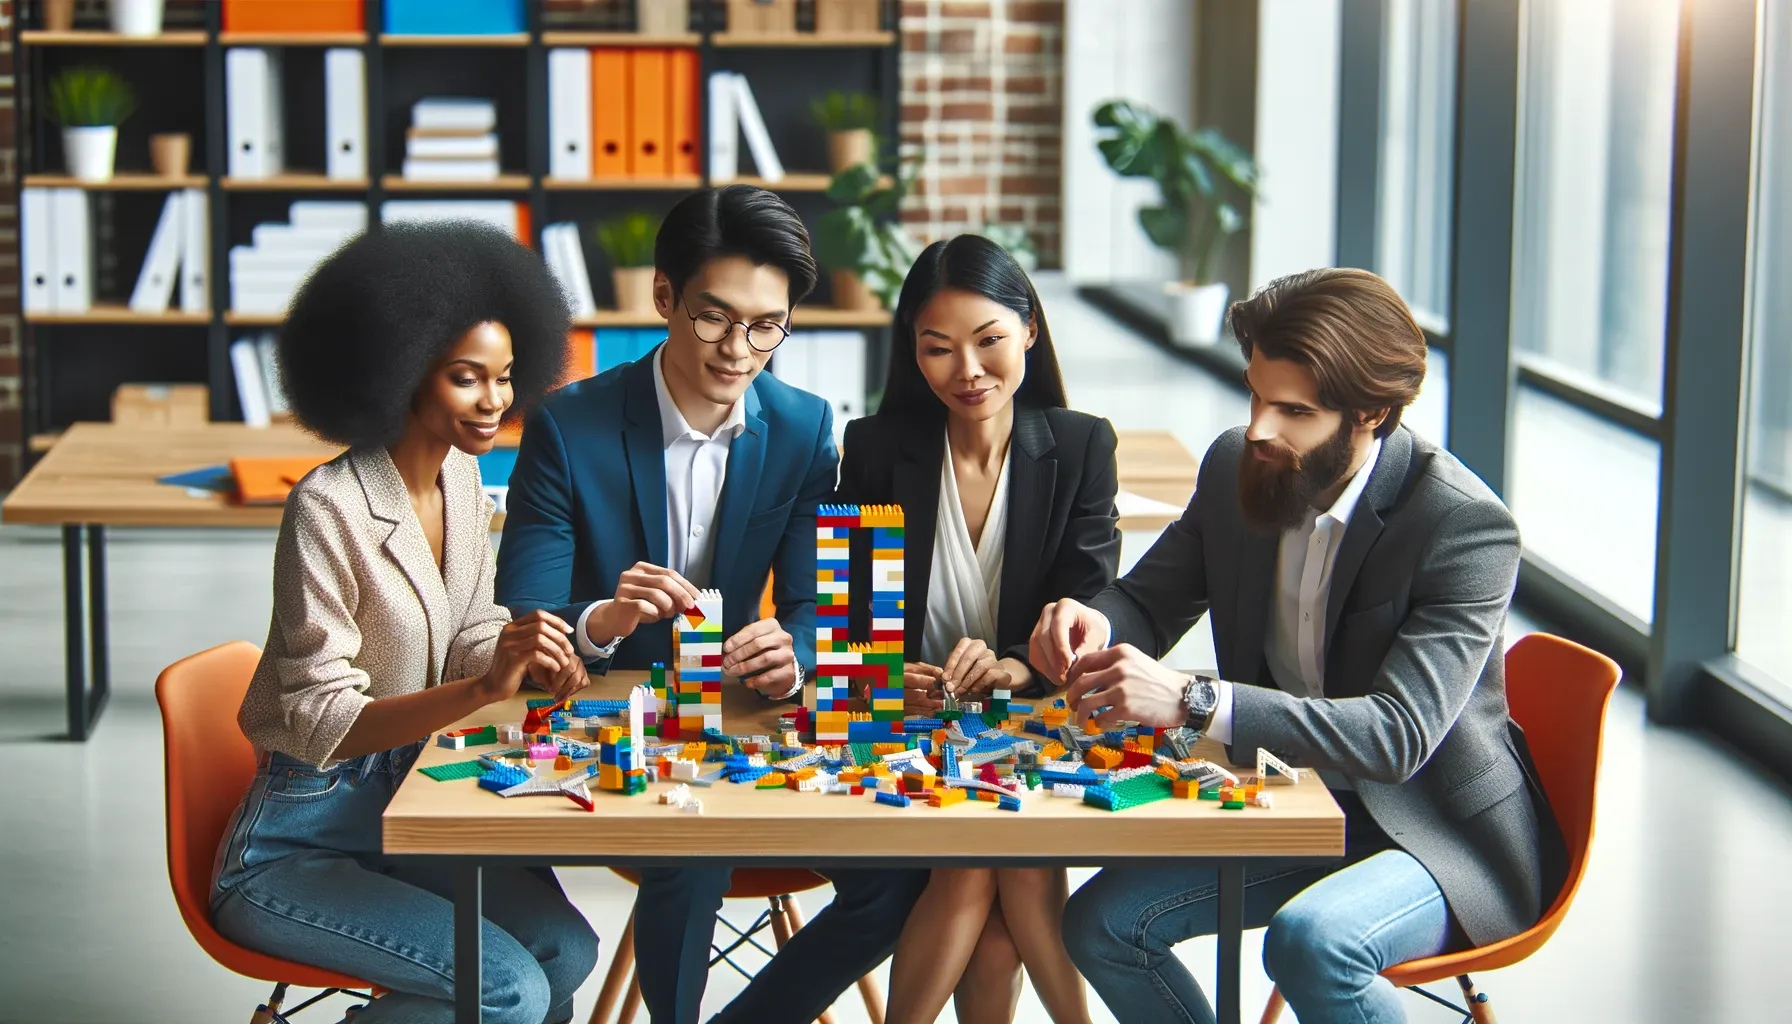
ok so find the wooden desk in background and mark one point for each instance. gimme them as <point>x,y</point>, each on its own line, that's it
<point>458,825</point>
<point>99,475</point>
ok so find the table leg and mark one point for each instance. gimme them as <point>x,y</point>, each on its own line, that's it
<point>99,643</point>
<point>468,913</point>
<point>74,650</point>
<point>1231,938</point>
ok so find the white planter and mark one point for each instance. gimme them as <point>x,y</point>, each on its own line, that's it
<point>89,152</point>
<point>1197,313</point>
<point>137,17</point>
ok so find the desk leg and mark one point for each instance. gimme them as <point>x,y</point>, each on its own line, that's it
<point>1231,938</point>
<point>82,606</point>
<point>96,624</point>
<point>468,984</point>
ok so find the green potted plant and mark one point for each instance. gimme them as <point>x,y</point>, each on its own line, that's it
<point>1013,238</point>
<point>89,103</point>
<point>628,243</point>
<point>1204,181</point>
<point>861,243</point>
<point>849,118</point>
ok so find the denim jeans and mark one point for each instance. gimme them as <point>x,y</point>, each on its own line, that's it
<point>300,876</point>
<point>1331,931</point>
<point>675,923</point>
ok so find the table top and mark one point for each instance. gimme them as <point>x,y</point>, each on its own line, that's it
<point>459,818</point>
<point>104,474</point>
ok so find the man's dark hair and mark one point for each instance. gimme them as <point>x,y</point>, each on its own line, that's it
<point>735,220</point>
<point>1349,328</point>
<point>373,318</point>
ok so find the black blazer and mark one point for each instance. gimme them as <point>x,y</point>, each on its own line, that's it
<point>1063,530</point>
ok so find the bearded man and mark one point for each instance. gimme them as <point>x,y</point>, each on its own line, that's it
<point>1359,578</point>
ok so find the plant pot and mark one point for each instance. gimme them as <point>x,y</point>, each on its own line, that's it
<point>850,291</point>
<point>662,17</point>
<point>137,17</point>
<point>89,152</point>
<point>761,17</point>
<point>1197,313</point>
<point>849,149</point>
<point>634,289</point>
<point>845,16</point>
<point>59,15</point>
<point>170,153</point>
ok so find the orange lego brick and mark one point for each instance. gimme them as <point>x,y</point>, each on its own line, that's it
<point>945,796</point>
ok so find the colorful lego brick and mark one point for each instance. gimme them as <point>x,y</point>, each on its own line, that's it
<point>945,796</point>
<point>503,777</point>
<point>892,799</point>
<point>455,770</point>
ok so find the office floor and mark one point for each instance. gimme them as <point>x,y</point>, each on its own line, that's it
<point>1681,919</point>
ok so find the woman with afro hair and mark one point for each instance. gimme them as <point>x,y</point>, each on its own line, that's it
<point>409,345</point>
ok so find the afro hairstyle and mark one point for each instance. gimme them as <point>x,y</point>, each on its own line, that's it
<point>374,317</point>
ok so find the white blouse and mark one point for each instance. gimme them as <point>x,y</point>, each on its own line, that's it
<point>965,586</point>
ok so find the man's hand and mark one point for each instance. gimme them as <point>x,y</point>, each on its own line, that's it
<point>921,694</point>
<point>645,593</point>
<point>1130,686</point>
<point>762,656</point>
<point>1066,631</point>
<point>562,684</point>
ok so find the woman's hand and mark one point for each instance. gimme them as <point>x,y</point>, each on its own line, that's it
<point>536,642</point>
<point>973,670</point>
<point>921,689</point>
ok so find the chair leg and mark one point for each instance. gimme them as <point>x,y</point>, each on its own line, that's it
<point>780,920</point>
<point>1480,1008</point>
<point>630,1002</point>
<point>620,974</point>
<point>1272,1010</point>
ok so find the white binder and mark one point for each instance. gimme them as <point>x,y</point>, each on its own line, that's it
<point>724,130</point>
<point>569,114</point>
<point>270,373</point>
<point>72,250</point>
<point>251,389</point>
<point>195,254</point>
<point>38,278</point>
<point>759,141</point>
<point>345,113</point>
<point>573,256</point>
<point>252,111</point>
<point>155,282</point>
<point>555,256</point>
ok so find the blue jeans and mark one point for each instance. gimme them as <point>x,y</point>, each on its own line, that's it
<point>300,876</point>
<point>1331,931</point>
<point>675,923</point>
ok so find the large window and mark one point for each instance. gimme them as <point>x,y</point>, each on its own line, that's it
<point>1418,108</point>
<point>1590,270</point>
<point>1595,161</point>
<point>1765,578</point>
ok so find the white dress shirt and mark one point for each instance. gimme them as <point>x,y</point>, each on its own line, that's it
<point>964,591</point>
<point>1294,643</point>
<point>696,469</point>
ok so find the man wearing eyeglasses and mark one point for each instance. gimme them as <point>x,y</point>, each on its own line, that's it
<point>686,470</point>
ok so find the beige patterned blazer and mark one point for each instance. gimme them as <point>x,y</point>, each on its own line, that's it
<point>360,610</point>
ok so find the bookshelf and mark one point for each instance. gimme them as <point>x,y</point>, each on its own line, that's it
<point>73,360</point>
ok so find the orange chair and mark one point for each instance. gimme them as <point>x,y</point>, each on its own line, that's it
<point>209,764</point>
<point>1558,692</point>
<point>775,885</point>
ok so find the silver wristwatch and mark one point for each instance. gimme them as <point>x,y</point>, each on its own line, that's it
<point>1202,697</point>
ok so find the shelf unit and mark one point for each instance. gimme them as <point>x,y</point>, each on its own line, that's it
<point>67,355</point>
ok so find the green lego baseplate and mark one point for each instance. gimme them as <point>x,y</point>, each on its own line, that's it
<point>454,770</point>
<point>1140,790</point>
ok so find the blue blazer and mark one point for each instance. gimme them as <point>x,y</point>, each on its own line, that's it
<point>588,500</point>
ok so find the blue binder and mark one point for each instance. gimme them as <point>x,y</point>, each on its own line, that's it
<point>454,17</point>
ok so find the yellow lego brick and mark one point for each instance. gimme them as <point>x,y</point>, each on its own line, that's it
<point>887,704</point>
<point>836,543</point>
<point>1052,751</point>
<point>609,776</point>
<point>611,734</point>
<point>1102,757</point>
<point>945,796</point>
<point>880,749</point>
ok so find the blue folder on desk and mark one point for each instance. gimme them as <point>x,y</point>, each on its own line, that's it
<point>217,479</point>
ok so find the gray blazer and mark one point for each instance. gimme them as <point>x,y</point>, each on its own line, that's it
<point>1415,712</point>
<point>360,609</point>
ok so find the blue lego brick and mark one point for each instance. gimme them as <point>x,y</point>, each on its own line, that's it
<point>1008,802</point>
<point>503,777</point>
<point>1083,776</point>
<point>1038,727</point>
<point>1015,708</point>
<point>871,732</point>
<point>599,708</point>
<point>893,799</point>
<point>748,774</point>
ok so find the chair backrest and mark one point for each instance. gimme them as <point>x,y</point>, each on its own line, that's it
<point>1558,692</point>
<point>209,764</point>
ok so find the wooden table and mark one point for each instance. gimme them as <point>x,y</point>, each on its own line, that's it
<point>461,825</point>
<point>99,475</point>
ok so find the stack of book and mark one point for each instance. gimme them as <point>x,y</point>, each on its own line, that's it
<point>265,274</point>
<point>504,214</point>
<point>452,140</point>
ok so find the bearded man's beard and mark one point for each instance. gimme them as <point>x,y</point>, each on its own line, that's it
<point>1278,494</point>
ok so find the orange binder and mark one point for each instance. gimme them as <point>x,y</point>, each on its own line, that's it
<point>286,16</point>
<point>581,355</point>
<point>609,113</point>
<point>649,116</point>
<point>265,481</point>
<point>525,226</point>
<point>681,93</point>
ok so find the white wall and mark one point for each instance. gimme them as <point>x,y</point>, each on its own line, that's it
<point>1294,221</point>
<point>1146,56</point>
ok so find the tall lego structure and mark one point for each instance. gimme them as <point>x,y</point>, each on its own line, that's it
<point>697,656</point>
<point>837,659</point>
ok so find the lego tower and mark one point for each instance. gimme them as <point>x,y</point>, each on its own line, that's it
<point>837,660</point>
<point>697,654</point>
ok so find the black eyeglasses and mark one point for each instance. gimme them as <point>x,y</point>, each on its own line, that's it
<point>713,327</point>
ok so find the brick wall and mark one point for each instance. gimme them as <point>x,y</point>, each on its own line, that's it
<point>11,411</point>
<point>982,105</point>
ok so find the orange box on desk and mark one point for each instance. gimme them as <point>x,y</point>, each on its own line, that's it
<point>287,16</point>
